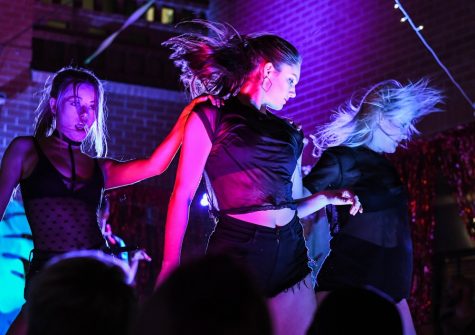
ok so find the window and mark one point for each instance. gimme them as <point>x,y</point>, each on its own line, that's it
<point>150,14</point>
<point>167,16</point>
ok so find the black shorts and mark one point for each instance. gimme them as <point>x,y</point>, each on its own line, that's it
<point>353,262</point>
<point>275,257</point>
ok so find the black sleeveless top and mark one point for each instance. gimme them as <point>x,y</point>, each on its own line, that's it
<point>252,159</point>
<point>374,247</point>
<point>62,219</point>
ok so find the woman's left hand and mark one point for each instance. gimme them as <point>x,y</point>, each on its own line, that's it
<point>215,101</point>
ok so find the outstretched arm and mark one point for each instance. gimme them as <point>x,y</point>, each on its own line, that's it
<point>311,204</point>
<point>118,173</point>
<point>308,203</point>
<point>193,156</point>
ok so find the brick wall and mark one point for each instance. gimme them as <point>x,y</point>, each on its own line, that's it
<point>347,45</point>
<point>15,57</point>
<point>15,44</point>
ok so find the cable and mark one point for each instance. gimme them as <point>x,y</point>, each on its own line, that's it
<point>417,31</point>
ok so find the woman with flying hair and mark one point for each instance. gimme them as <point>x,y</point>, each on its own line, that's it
<point>250,158</point>
<point>61,186</point>
<point>374,248</point>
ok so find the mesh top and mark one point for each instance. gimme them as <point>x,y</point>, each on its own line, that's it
<point>62,219</point>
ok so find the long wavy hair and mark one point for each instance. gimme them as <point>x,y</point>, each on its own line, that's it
<point>220,61</point>
<point>55,87</point>
<point>353,123</point>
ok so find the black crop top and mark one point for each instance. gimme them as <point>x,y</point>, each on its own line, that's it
<point>62,219</point>
<point>370,175</point>
<point>252,159</point>
<point>373,178</point>
<point>372,248</point>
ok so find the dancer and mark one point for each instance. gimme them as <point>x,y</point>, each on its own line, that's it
<point>251,161</point>
<point>373,248</point>
<point>61,186</point>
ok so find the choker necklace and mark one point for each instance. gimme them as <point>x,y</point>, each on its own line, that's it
<point>66,139</point>
<point>70,143</point>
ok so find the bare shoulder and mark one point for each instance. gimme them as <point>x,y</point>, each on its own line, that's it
<point>204,114</point>
<point>21,145</point>
<point>19,158</point>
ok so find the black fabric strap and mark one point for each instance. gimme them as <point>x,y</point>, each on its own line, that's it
<point>66,139</point>
<point>73,167</point>
<point>206,122</point>
<point>37,146</point>
<point>71,144</point>
<point>213,206</point>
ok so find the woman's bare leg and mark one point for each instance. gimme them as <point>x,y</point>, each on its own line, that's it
<point>292,311</point>
<point>406,318</point>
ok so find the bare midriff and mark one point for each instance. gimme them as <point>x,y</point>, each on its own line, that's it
<point>269,218</point>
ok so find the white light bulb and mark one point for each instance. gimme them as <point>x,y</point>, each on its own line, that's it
<point>204,200</point>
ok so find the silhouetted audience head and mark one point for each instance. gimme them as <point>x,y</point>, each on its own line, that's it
<point>81,292</point>
<point>356,311</point>
<point>212,295</point>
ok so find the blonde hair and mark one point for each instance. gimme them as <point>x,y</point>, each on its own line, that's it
<point>353,123</point>
<point>55,86</point>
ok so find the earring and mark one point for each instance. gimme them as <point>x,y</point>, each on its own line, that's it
<point>266,84</point>
<point>53,120</point>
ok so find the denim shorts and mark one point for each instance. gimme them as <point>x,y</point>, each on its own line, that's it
<point>275,257</point>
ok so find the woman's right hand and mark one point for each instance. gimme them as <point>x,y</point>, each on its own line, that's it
<point>343,197</point>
